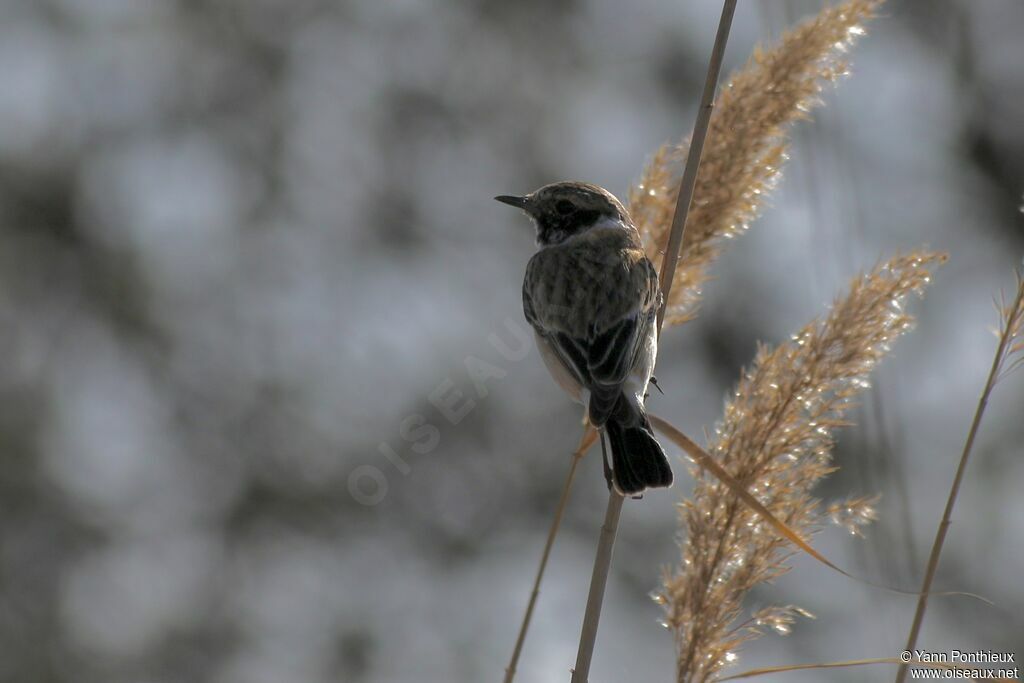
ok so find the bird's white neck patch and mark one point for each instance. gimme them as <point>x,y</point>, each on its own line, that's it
<point>608,222</point>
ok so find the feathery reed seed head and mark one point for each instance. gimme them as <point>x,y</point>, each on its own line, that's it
<point>776,438</point>
<point>1011,325</point>
<point>745,149</point>
<point>853,513</point>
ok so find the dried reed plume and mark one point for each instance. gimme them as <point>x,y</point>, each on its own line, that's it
<point>1011,329</point>
<point>776,438</point>
<point>745,148</point>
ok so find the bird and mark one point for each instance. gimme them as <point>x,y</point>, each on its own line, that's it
<point>592,296</point>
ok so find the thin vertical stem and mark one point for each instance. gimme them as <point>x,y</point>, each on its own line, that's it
<point>606,542</point>
<point>689,181</point>
<point>940,535</point>
<point>585,444</point>
<point>598,581</point>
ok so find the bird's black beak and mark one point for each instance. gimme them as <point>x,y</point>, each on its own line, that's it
<point>518,202</point>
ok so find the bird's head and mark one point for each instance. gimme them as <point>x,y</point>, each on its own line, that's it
<point>562,210</point>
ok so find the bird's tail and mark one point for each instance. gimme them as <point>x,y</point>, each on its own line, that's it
<point>638,460</point>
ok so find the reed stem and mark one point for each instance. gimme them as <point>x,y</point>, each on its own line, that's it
<point>606,542</point>
<point>947,514</point>
<point>581,450</point>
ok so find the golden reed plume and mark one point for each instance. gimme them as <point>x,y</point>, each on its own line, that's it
<point>745,148</point>
<point>776,438</point>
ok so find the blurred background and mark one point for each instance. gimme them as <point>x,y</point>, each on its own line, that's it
<point>266,411</point>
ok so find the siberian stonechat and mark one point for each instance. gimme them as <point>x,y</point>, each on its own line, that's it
<point>592,297</point>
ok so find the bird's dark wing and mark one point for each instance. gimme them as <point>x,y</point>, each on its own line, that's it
<point>595,315</point>
<point>605,360</point>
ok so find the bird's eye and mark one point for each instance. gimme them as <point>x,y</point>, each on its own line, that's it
<point>564,206</point>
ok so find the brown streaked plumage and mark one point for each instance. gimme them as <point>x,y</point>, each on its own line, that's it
<point>599,278</point>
